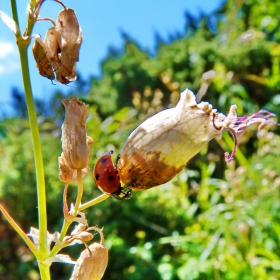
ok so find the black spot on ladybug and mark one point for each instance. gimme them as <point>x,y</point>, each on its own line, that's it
<point>97,177</point>
<point>111,178</point>
<point>103,160</point>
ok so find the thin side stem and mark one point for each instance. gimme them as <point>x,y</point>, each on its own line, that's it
<point>18,229</point>
<point>66,223</point>
<point>80,191</point>
<point>57,247</point>
<point>93,202</point>
<point>238,154</point>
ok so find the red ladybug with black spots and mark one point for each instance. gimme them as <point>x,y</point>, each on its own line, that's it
<point>107,179</point>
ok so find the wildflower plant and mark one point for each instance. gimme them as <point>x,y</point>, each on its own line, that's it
<point>155,152</point>
<point>56,58</point>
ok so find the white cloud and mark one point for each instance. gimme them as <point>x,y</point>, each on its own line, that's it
<point>9,58</point>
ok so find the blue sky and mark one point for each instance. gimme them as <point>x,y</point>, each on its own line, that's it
<point>102,23</point>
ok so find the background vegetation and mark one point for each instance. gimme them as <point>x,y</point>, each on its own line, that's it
<point>214,220</point>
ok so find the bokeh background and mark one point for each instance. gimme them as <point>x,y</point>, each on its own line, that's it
<point>215,220</point>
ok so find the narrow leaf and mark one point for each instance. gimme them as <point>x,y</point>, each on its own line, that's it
<point>10,23</point>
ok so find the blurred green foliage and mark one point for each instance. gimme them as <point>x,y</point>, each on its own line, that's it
<point>212,221</point>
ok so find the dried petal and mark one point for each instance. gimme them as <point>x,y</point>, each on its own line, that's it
<point>78,229</point>
<point>59,258</point>
<point>75,142</point>
<point>35,235</point>
<point>237,125</point>
<point>77,239</point>
<point>70,42</point>
<point>52,48</point>
<point>42,61</point>
<point>78,235</point>
<point>161,146</point>
<point>66,173</point>
<point>91,265</point>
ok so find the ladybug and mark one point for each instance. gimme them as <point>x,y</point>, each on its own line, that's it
<point>107,179</point>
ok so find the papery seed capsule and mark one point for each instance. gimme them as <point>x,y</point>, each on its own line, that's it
<point>75,142</point>
<point>161,146</point>
<point>92,263</point>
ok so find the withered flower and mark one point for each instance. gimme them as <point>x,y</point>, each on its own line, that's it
<point>78,235</point>
<point>60,48</point>
<point>75,142</point>
<point>161,146</point>
<point>92,262</point>
<point>66,173</point>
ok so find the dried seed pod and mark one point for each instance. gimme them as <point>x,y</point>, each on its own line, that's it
<point>75,142</point>
<point>66,173</point>
<point>161,146</point>
<point>92,263</point>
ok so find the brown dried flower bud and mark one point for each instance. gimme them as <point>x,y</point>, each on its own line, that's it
<point>75,142</point>
<point>66,173</point>
<point>92,263</point>
<point>60,48</point>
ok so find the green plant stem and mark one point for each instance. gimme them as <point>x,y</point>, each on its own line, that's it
<point>66,223</point>
<point>41,254</point>
<point>40,178</point>
<point>44,271</point>
<point>14,12</point>
<point>57,247</point>
<point>94,201</point>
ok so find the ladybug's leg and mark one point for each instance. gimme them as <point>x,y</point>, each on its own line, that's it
<point>118,158</point>
<point>122,193</point>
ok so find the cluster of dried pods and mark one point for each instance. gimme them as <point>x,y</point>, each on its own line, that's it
<point>57,55</point>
